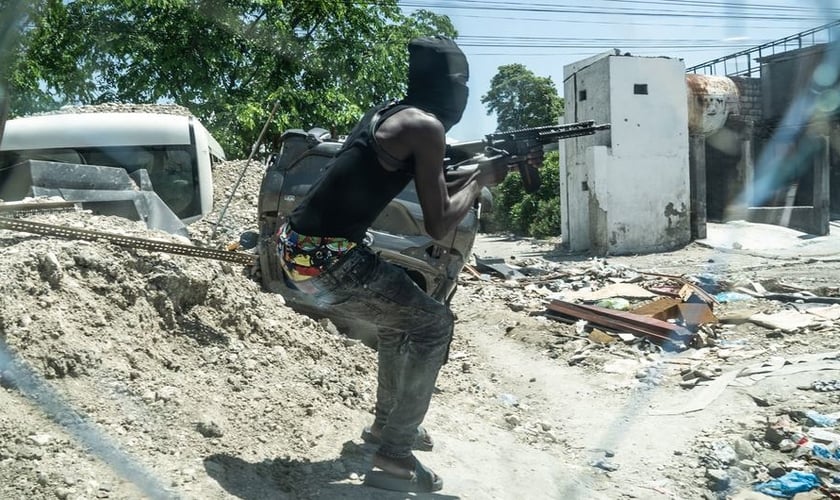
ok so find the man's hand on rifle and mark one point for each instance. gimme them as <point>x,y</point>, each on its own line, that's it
<point>456,178</point>
<point>533,158</point>
<point>529,168</point>
<point>487,171</point>
<point>493,170</point>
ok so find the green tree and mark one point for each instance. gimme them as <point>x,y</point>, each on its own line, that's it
<point>10,25</point>
<point>521,99</point>
<point>531,214</point>
<point>322,61</point>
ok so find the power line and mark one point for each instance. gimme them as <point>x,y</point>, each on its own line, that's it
<point>624,22</point>
<point>538,46</point>
<point>537,41</point>
<point>761,14</point>
<point>554,7</point>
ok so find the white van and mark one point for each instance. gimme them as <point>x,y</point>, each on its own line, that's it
<point>176,150</point>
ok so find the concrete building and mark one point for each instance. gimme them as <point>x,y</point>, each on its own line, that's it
<point>626,190</point>
<point>775,159</point>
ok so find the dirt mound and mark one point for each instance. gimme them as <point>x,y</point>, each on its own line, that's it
<point>114,107</point>
<point>168,365</point>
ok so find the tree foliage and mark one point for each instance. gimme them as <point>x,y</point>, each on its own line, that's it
<point>522,99</point>
<point>531,214</point>
<point>322,61</point>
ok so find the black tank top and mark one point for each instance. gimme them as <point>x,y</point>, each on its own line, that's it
<point>354,189</point>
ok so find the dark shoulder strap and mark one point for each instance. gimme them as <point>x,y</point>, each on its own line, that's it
<point>378,118</point>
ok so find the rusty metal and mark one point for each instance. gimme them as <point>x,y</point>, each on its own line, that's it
<point>126,241</point>
<point>654,329</point>
<point>24,208</point>
<point>711,99</point>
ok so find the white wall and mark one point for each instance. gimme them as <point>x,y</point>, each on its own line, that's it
<point>628,191</point>
<point>592,77</point>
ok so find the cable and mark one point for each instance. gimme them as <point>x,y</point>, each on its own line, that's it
<point>664,13</point>
<point>572,8</point>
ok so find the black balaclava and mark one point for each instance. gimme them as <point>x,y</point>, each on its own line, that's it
<point>437,78</point>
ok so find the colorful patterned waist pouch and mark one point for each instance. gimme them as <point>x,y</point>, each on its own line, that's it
<point>304,257</point>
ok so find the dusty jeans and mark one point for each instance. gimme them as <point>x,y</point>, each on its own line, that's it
<point>414,332</point>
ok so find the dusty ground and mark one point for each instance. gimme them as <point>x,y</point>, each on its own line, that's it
<point>131,374</point>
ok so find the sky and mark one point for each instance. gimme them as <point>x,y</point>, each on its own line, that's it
<point>546,35</point>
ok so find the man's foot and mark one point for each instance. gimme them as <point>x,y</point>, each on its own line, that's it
<point>402,474</point>
<point>423,442</point>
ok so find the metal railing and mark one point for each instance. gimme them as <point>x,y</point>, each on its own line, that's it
<point>744,63</point>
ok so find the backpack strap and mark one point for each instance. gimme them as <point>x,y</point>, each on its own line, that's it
<point>406,165</point>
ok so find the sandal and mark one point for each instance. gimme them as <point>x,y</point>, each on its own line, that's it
<point>420,480</point>
<point>423,441</point>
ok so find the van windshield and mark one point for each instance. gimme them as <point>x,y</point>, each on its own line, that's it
<point>172,169</point>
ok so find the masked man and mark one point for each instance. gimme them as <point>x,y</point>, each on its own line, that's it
<point>323,252</point>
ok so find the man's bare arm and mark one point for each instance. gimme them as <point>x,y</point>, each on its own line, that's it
<point>419,135</point>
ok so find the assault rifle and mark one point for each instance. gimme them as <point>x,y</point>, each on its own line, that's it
<point>513,146</point>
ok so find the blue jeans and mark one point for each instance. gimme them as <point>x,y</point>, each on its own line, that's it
<point>413,330</point>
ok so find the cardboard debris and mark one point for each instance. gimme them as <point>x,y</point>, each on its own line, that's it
<point>497,266</point>
<point>693,294</point>
<point>600,337</point>
<point>672,308</point>
<point>737,317</point>
<point>472,270</point>
<point>772,364</point>
<point>774,367</point>
<point>657,308</point>
<point>823,436</point>
<point>791,297</point>
<point>623,290</point>
<point>830,313</point>
<point>702,399</point>
<point>788,321</point>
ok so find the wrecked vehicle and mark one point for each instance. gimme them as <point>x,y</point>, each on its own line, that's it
<point>154,167</point>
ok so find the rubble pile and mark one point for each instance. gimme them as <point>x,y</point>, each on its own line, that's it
<point>741,332</point>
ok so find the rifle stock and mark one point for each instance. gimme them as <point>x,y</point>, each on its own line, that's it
<point>517,144</point>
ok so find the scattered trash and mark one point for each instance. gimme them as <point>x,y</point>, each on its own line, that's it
<point>509,399</point>
<point>788,485</point>
<point>802,296</point>
<point>729,296</point>
<point>616,303</point>
<point>689,314</point>
<point>823,436</point>
<point>821,451</point>
<point>497,266</point>
<point>820,420</point>
<point>831,313</point>
<point>824,385</point>
<point>627,337</point>
<point>617,290</point>
<point>604,464</point>
<point>788,320</point>
<point>601,337</point>
<point>718,479</point>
